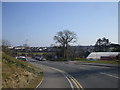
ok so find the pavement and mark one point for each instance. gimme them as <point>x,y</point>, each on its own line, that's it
<point>88,76</point>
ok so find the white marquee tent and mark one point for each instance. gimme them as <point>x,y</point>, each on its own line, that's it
<point>98,55</point>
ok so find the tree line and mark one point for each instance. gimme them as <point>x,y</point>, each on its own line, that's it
<point>64,39</point>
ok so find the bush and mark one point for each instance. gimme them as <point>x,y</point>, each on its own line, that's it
<point>59,59</point>
<point>80,59</point>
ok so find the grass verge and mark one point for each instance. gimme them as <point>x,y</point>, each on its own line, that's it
<point>99,61</point>
<point>19,74</point>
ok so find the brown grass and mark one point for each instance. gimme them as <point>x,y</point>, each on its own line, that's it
<point>19,74</point>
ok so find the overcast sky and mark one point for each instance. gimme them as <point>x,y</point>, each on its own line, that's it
<point>38,22</point>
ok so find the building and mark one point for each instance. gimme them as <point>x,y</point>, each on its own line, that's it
<point>102,55</point>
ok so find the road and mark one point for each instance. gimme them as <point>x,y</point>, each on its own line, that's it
<point>88,76</point>
<point>52,78</point>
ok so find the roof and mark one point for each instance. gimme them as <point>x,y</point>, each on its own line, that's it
<point>97,55</point>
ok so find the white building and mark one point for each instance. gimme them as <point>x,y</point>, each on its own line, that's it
<point>100,55</point>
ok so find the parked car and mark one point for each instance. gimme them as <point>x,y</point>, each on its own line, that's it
<point>38,58</point>
<point>43,59</point>
<point>23,58</point>
<point>33,56</point>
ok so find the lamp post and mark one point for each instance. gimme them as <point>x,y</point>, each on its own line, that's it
<point>26,47</point>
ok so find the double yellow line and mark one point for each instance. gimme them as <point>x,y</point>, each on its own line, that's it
<point>71,78</point>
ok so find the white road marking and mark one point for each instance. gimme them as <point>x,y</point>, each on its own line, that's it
<point>40,82</point>
<point>69,81</point>
<point>77,84</point>
<point>110,75</point>
<point>68,77</point>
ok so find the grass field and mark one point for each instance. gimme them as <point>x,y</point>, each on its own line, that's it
<point>99,61</point>
<point>19,74</point>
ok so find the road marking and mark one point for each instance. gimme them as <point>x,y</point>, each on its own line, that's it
<point>68,77</point>
<point>110,75</point>
<point>76,83</point>
<point>80,86</point>
<point>69,81</point>
<point>71,78</point>
<point>40,82</point>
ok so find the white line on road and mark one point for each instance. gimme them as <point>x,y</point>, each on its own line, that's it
<point>110,75</point>
<point>40,82</point>
<point>69,81</point>
<point>69,78</point>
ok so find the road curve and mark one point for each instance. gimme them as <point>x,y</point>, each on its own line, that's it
<point>88,76</point>
<point>52,78</point>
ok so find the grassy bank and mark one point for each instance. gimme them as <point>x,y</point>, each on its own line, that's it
<point>101,62</point>
<point>19,74</point>
<point>84,60</point>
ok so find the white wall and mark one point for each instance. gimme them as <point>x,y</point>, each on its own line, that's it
<point>97,55</point>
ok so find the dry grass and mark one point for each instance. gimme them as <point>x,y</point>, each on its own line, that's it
<point>19,74</point>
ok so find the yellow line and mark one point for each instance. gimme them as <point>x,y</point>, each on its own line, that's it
<point>80,86</point>
<point>77,84</point>
<point>76,81</point>
<point>72,81</point>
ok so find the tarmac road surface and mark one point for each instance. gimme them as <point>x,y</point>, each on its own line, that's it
<point>87,76</point>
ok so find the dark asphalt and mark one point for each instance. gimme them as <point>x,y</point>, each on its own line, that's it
<point>87,75</point>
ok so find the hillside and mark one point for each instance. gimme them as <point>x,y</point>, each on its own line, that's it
<point>19,74</point>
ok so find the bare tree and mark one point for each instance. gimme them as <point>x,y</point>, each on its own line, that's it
<point>64,38</point>
<point>6,43</point>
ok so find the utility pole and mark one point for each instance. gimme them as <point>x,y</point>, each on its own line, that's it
<point>26,47</point>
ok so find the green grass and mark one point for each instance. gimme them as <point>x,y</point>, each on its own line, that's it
<point>100,61</point>
<point>59,59</point>
<point>34,53</point>
<point>84,60</point>
<point>19,74</point>
<point>79,59</point>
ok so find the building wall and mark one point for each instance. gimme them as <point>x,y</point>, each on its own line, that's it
<point>98,55</point>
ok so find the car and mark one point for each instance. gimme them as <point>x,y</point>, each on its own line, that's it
<point>23,58</point>
<point>90,59</point>
<point>33,56</point>
<point>38,58</point>
<point>43,59</point>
